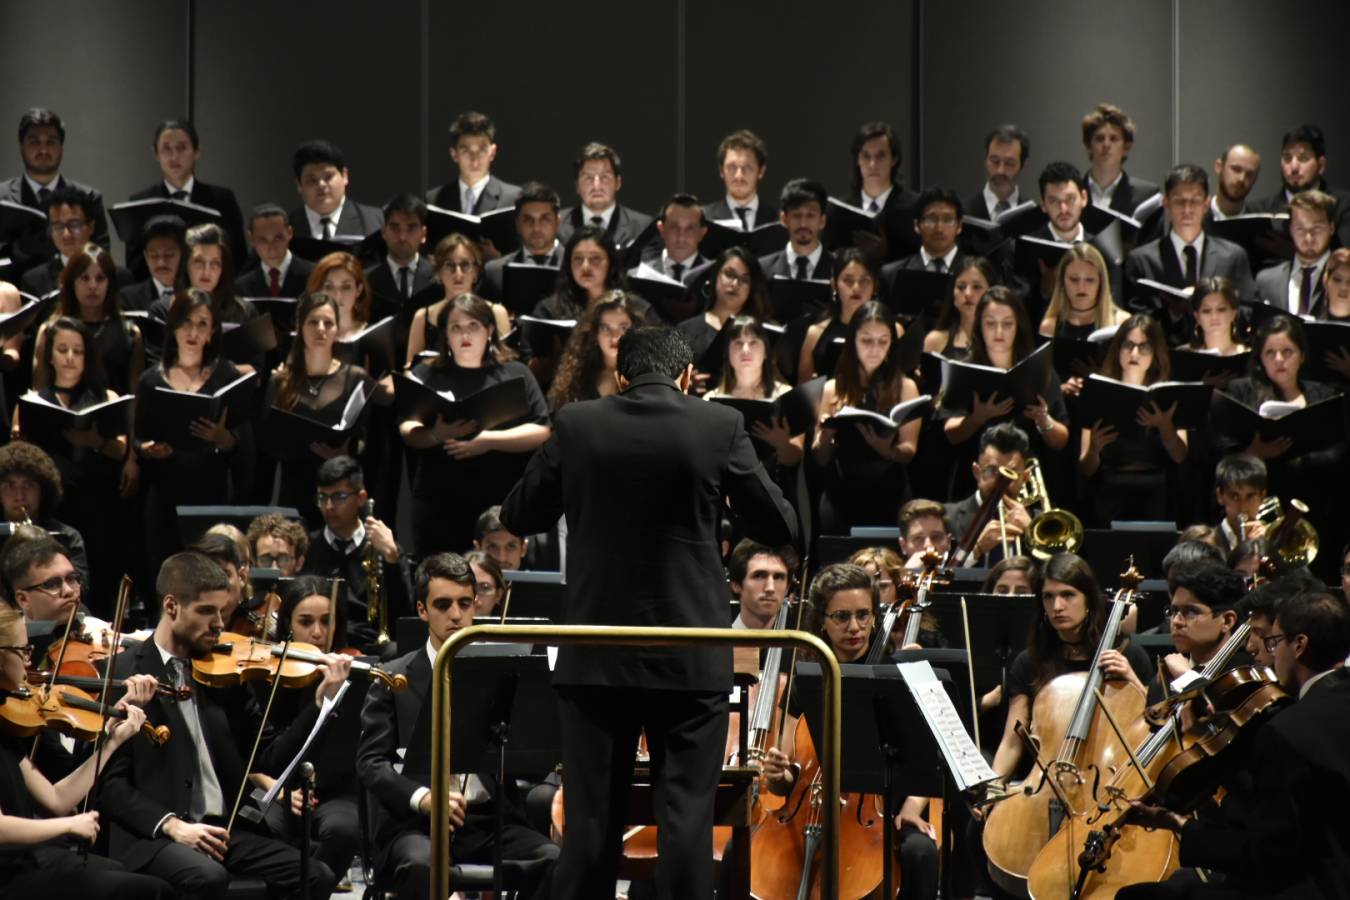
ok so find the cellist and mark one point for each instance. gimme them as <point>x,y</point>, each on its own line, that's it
<point>844,610</point>
<point>1293,842</point>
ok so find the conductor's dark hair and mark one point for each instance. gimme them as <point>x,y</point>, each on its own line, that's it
<point>1005,437</point>
<point>1212,583</point>
<point>1185,173</point>
<point>318,152</point>
<point>653,349</point>
<point>305,586</point>
<point>450,566</point>
<point>1307,133</point>
<point>69,196</point>
<point>684,201</point>
<point>931,195</point>
<point>1267,599</point>
<point>166,227</point>
<point>801,191</point>
<point>184,302</point>
<point>1059,172</point>
<point>1006,133</point>
<point>265,211</point>
<point>187,576</point>
<point>472,124</point>
<point>218,547</point>
<point>22,554</point>
<point>1188,552</point>
<point>597,150</point>
<point>869,131</point>
<point>339,469</point>
<point>38,117</point>
<point>183,125</point>
<point>537,192</point>
<point>1324,620</point>
<point>743,139</point>
<point>1240,468</point>
<point>409,204</point>
<point>747,549</point>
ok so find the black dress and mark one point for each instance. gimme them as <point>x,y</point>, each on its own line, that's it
<point>860,486</point>
<point>1131,481</point>
<point>115,345</point>
<point>825,355</point>
<point>323,400</point>
<point>189,476</point>
<point>709,352</point>
<point>448,495</point>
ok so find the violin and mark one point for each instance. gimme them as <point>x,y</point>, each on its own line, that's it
<point>237,658</point>
<point>255,620</point>
<point>66,709</point>
<point>95,684</point>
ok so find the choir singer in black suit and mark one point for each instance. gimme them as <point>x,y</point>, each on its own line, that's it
<point>641,476</point>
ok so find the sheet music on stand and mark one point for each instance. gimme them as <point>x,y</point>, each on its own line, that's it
<point>325,711</point>
<point>964,760</point>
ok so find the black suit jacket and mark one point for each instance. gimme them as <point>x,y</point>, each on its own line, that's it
<point>1157,260</point>
<point>16,190</point>
<point>642,476</point>
<point>492,284</point>
<point>777,264</point>
<point>496,194</point>
<point>1130,193</point>
<point>46,277</point>
<point>915,261</point>
<point>624,226</point>
<point>356,219</point>
<point>384,283</point>
<point>221,199</point>
<point>139,296</point>
<point>322,559</point>
<point>961,514</point>
<point>1272,286</point>
<point>897,218</point>
<point>143,783</point>
<point>1293,842</point>
<point>721,210</point>
<point>253,283</point>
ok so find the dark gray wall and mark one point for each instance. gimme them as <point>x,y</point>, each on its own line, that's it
<point>663,82</point>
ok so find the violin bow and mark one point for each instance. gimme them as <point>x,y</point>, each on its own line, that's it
<point>970,671</point>
<point>119,615</point>
<point>56,667</point>
<point>257,738</point>
<point>332,616</point>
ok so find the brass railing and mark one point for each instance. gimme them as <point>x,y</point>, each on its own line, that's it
<point>650,637</point>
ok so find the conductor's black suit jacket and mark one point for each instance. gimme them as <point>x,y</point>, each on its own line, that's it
<point>642,476</point>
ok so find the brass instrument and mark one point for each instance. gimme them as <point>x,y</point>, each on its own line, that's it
<point>1290,535</point>
<point>377,604</point>
<point>1052,530</point>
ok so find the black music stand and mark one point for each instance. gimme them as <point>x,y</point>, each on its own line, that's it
<point>999,627</point>
<point>504,717</point>
<point>879,753</point>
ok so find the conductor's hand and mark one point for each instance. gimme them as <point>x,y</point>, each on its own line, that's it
<point>209,839</point>
<point>457,808</point>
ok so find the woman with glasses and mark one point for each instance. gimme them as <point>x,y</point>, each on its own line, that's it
<point>317,385</point>
<point>735,287</point>
<point>591,357</point>
<point>845,607</point>
<point>458,262</point>
<point>462,468</point>
<point>39,818</point>
<point>489,583</point>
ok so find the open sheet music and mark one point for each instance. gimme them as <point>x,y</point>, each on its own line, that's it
<point>963,758</point>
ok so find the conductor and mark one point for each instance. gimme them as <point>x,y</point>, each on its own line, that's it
<point>642,477</point>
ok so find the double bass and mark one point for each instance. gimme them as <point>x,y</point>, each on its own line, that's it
<point>1065,717</point>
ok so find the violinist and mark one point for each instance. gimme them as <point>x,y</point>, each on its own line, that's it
<point>37,817</point>
<point>1202,615</point>
<point>170,806</point>
<point>304,616</point>
<point>1292,842</point>
<point>1063,639</point>
<point>844,610</point>
<point>759,576</point>
<point>397,773</point>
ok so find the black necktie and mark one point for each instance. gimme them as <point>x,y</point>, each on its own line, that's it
<point>1305,289</point>
<point>677,271</point>
<point>1189,252</point>
<point>44,194</point>
<point>802,263</point>
<point>403,281</point>
<point>540,259</point>
<point>327,224</point>
<point>179,195</point>
<point>1002,206</point>
<point>343,546</point>
<point>743,213</point>
<point>938,265</point>
<point>598,220</point>
<point>872,207</point>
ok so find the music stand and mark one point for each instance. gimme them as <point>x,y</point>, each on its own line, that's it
<point>504,718</point>
<point>879,754</point>
<point>999,627</point>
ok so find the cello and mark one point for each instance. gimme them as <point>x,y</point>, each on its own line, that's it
<point>1064,716</point>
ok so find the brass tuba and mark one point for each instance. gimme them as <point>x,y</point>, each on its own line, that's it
<point>1290,535</point>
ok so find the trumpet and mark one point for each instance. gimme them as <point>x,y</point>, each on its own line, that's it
<point>377,605</point>
<point>1052,530</point>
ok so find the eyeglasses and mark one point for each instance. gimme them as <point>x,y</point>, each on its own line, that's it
<point>734,279</point>
<point>26,651</point>
<point>276,560</point>
<point>54,584</point>
<point>1271,641</point>
<point>938,220</point>
<point>464,266</point>
<point>333,498</point>
<point>1143,348</point>
<point>70,225</point>
<point>842,616</point>
<point>483,588</point>
<point>1187,613</point>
